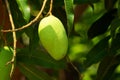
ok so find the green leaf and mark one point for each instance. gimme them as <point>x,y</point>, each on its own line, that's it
<point>85,1</point>
<point>24,8</point>
<point>61,2</point>
<point>36,57</point>
<point>114,25</point>
<point>69,13</point>
<point>35,6</point>
<point>107,67</point>
<point>17,18</point>
<point>32,73</point>
<point>97,52</point>
<point>115,44</point>
<point>16,14</point>
<point>32,33</point>
<point>109,4</point>
<point>119,8</point>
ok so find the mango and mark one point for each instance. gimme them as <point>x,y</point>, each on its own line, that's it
<point>53,37</point>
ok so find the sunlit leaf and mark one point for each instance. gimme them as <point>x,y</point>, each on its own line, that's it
<point>23,6</point>
<point>16,14</point>
<point>69,13</point>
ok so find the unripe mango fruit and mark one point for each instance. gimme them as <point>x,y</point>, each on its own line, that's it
<point>5,56</point>
<point>53,37</point>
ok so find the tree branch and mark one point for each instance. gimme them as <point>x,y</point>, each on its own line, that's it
<point>50,10</point>
<point>14,37</point>
<point>31,22</point>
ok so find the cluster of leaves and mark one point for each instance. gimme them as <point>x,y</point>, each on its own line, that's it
<point>31,56</point>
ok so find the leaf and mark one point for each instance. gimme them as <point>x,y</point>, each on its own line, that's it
<point>101,25</point>
<point>107,67</point>
<point>69,13</point>
<point>97,52</point>
<point>85,1</point>
<point>36,57</point>
<point>32,32</point>
<point>61,2</point>
<point>35,6</point>
<point>115,44</point>
<point>114,25</point>
<point>32,73</point>
<point>16,14</point>
<point>17,18</point>
<point>110,62</point>
<point>109,4</point>
<point>34,53</point>
<point>24,8</point>
<point>119,8</point>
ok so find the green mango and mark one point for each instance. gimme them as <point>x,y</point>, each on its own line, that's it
<point>53,37</point>
<point>5,56</point>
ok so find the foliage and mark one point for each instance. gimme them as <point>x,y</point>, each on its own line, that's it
<point>93,28</point>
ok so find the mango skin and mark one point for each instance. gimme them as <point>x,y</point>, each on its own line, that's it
<point>5,56</point>
<point>53,37</point>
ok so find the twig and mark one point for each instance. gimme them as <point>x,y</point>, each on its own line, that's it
<point>14,37</point>
<point>50,10</point>
<point>31,22</point>
<point>75,68</point>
